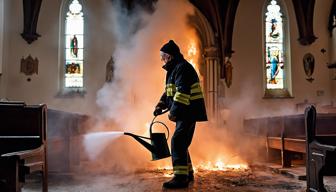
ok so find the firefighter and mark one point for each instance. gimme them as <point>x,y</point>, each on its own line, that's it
<point>184,98</point>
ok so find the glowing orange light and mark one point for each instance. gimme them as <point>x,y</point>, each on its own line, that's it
<point>192,53</point>
<point>221,166</point>
<point>208,166</point>
<point>147,125</point>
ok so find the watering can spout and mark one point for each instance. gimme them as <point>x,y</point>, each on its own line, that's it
<point>143,142</point>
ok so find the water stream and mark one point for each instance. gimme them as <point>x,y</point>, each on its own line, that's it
<point>96,142</point>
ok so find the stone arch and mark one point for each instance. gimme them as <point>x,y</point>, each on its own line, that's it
<point>209,62</point>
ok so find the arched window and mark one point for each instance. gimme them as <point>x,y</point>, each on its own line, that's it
<point>73,39</point>
<point>277,76</point>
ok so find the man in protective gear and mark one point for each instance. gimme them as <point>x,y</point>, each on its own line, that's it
<point>184,98</point>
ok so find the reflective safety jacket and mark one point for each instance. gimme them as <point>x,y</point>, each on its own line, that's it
<point>183,94</point>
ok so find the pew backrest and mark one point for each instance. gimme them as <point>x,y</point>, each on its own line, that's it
<point>22,127</point>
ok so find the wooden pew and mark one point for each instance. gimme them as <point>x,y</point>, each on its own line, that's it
<point>287,134</point>
<point>22,144</point>
<point>321,153</point>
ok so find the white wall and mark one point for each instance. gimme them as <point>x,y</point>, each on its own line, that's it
<point>245,96</point>
<point>246,91</point>
<point>44,87</point>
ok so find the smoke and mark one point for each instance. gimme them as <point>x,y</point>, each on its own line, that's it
<point>96,142</point>
<point>138,77</point>
<point>127,103</point>
<point>239,106</point>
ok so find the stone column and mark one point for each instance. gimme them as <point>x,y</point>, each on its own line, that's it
<point>211,82</point>
<point>333,59</point>
<point>333,44</point>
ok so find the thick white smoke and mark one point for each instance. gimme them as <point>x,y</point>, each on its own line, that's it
<point>127,103</point>
<point>139,78</point>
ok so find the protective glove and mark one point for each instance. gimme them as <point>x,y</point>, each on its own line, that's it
<point>157,111</point>
<point>172,117</point>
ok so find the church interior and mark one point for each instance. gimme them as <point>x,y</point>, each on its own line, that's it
<point>77,75</point>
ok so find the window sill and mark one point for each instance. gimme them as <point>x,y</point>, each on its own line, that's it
<point>71,93</point>
<point>277,94</point>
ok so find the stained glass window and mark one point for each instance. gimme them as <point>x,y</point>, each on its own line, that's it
<point>74,37</point>
<point>274,47</point>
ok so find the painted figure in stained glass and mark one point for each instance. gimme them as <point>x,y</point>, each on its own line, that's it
<point>73,68</point>
<point>74,46</point>
<point>274,29</point>
<point>275,66</point>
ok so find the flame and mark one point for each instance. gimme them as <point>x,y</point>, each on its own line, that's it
<point>193,56</point>
<point>167,170</point>
<point>218,165</point>
<point>192,53</point>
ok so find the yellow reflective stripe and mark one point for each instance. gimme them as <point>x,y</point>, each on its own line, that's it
<point>170,92</point>
<point>195,90</point>
<point>170,85</point>
<point>182,95</point>
<point>182,98</point>
<point>196,93</point>
<point>183,101</point>
<point>180,170</point>
<point>198,96</point>
<point>195,85</point>
<point>170,89</point>
<point>179,167</point>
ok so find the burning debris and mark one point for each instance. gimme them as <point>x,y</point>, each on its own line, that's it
<point>208,167</point>
<point>150,180</point>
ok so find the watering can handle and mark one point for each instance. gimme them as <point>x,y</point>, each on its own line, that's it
<point>163,112</point>
<point>150,129</point>
<point>153,122</point>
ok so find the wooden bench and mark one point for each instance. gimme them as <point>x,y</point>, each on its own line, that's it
<point>321,153</point>
<point>22,144</point>
<point>287,134</point>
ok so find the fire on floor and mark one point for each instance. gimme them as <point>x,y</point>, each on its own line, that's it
<point>251,179</point>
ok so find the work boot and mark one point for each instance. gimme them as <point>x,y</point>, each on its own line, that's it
<point>178,181</point>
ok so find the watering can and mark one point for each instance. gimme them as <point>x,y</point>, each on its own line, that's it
<point>158,146</point>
